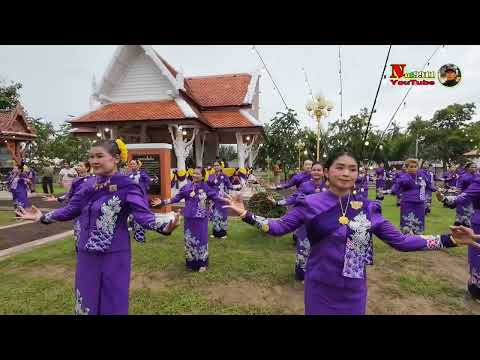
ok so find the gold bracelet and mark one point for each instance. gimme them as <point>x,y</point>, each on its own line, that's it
<point>453,240</point>
<point>242,216</point>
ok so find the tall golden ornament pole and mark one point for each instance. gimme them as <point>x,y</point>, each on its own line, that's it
<point>318,139</point>
<point>318,108</point>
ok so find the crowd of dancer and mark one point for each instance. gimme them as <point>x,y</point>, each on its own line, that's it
<point>330,212</point>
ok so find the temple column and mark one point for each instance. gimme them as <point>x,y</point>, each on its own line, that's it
<point>181,146</point>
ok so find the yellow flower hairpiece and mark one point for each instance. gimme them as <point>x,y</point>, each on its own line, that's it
<point>123,150</point>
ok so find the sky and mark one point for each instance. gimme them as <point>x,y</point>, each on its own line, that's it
<point>57,79</point>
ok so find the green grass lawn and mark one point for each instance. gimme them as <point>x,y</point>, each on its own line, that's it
<point>249,273</point>
<point>7,217</point>
<point>56,189</point>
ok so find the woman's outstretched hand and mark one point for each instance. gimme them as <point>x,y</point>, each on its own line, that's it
<point>272,200</point>
<point>464,236</point>
<point>235,203</point>
<point>440,196</point>
<point>34,215</point>
<point>173,224</point>
<point>157,202</point>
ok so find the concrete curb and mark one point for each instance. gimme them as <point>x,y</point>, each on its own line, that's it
<point>6,208</point>
<point>4,254</point>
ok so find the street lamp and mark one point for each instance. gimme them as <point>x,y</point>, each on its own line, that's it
<point>319,107</point>
<point>419,138</point>
<point>299,145</point>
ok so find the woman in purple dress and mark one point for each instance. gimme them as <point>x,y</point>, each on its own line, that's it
<point>18,184</point>
<point>315,185</point>
<point>340,228</point>
<point>413,185</point>
<point>141,178</point>
<point>471,195</point>
<point>103,204</point>
<point>221,184</point>
<point>299,178</point>
<point>361,184</point>
<point>464,211</point>
<point>83,170</point>
<point>195,213</point>
<point>380,181</point>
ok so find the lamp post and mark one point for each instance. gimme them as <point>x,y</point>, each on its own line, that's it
<point>419,138</point>
<point>299,145</point>
<point>319,107</point>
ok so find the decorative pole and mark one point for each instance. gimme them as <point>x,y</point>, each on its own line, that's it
<point>319,107</point>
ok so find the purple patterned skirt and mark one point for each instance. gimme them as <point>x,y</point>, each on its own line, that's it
<point>323,299</point>
<point>196,242</point>
<point>412,217</point>
<point>102,283</point>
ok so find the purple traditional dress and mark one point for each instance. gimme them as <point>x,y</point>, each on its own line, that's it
<point>335,280</point>
<point>429,189</point>
<point>464,210</point>
<point>18,185</point>
<point>295,180</point>
<point>141,178</point>
<point>103,205</point>
<point>380,182</point>
<point>470,196</point>
<point>77,184</point>
<point>196,221</point>
<point>395,188</point>
<point>412,205</point>
<point>302,244</point>
<point>361,185</point>
<point>219,215</point>
<point>32,177</point>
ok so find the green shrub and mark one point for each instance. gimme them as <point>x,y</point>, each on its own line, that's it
<point>259,205</point>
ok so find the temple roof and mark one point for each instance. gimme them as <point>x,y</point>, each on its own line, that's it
<point>134,111</point>
<point>13,123</point>
<point>218,90</point>
<point>218,101</point>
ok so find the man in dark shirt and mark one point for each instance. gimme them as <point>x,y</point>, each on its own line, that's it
<point>47,179</point>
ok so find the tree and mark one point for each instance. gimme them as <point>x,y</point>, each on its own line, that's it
<point>227,153</point>
<point>347,135</point>
<point>280,136</point>
<point>68,147</point>
<point>450,141</point>
<point>40,149</point>
<point>9,94</point>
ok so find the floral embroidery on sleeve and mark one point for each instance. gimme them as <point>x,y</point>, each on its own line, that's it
<point>47,218</point>
<point>433,242</point>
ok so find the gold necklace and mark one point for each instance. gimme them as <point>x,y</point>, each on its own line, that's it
<point>343,219</point>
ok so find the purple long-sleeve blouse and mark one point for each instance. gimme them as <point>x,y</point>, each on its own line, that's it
<point>219,182</point>
<point>102,206</point>
<point>141,177</point>
<point>196,196</point>
<point>339,253</point>
<point>306,188</point>
<point>413,187</point>
<point>296,180</point>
